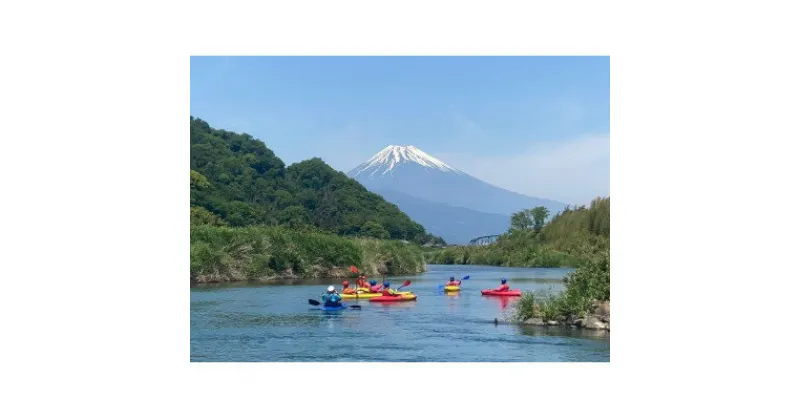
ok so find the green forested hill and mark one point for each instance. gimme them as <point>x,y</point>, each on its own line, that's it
<point>237,181</point>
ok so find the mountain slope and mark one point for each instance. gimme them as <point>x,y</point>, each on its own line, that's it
<point>242,183</point>
<point>456,225</point>
<point>409,170</point>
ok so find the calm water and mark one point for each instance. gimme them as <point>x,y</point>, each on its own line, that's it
<point>276,323</point>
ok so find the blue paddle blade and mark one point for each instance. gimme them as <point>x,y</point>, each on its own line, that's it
<point>465,278</point>
<point>441,287</point>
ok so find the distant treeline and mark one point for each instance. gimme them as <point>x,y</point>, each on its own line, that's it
<point>573,236</point>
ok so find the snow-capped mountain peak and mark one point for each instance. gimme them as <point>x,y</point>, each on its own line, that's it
<point>392,156</point>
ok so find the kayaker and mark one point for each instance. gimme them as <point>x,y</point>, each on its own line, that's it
<point>453,282</point>
<point>503,286</point>
<point>374,287</point>
<point>387,291</point>
<point>331,298</point>
<point>346,288</point>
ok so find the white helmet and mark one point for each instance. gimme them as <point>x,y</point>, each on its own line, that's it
<point>331,288</point>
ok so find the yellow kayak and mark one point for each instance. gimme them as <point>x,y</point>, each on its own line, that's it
<point>452,288</point>
<point>405,297</point>
<point>365,295</point>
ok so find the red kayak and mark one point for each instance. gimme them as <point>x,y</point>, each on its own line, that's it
<point>496,293</point>
<point>400,298</point>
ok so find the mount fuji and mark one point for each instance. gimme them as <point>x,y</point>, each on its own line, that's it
<point>446,200</point>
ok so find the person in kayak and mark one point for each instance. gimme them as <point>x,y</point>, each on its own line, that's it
<point>387,291</point>
<point>346,290</point>
<point>453,282</point>
<point>331,298</point>
<point>503,286</point>
<point>374,287</point>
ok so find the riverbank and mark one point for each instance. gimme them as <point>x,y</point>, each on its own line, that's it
<point>585,301</point>
<point>599,319</point>
<point>270,255</point>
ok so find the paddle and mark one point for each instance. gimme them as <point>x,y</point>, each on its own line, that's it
<point>405,283</point>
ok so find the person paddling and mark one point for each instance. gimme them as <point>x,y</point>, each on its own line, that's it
<point>362,281</point>
<point>331,298</point>
<point>346,290</point>
<point>453,282</point>
<point>503,286</point>
<point>387,291</point>
<point>374,287</point>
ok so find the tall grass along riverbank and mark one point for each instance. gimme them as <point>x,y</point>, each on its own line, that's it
<point>585,302</point>
<point>264,254</point>
<point>572,237</point>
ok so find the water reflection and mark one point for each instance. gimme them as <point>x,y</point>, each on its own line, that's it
<point>248,320</point>
<point>562,331</point>
<point>502,301</point>
<point>405,304</point>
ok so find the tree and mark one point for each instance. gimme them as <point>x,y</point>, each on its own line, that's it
<point>293,216</point>
<point>374,230</point>
<point>201,216</point>
<point>198,181</point>
<point>521,221</point>
<point>539,215</point>
<point>527,219</point>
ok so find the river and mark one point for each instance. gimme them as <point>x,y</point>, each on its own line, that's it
<point>275,323</point>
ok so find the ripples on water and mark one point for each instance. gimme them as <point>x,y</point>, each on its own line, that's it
<point>275,323</point>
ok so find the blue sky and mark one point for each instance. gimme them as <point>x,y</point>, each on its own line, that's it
<point>535,125</point>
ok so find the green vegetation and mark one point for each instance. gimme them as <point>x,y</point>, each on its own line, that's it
<point>253,219</point>
<point>589,283</point>
<point>262,253</point>
<point>572,237</point>
<point>237,181</point>
<point>529,219</point>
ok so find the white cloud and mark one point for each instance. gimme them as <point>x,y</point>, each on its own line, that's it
<point>573,171</point>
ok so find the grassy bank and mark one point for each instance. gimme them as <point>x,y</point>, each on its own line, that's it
<point>589,284</point>
<point>533,256</point>
<point>571,238</point>
<point>255,253</point>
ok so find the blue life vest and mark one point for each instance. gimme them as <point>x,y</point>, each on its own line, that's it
<point>332,299</point>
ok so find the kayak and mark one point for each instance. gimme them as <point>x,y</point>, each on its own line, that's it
<point>332,308</point>
<point>402,298</point>
<point>496,293</point>
<point>365,295</point>
<point>452,288</point>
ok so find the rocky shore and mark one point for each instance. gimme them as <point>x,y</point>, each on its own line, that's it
<point>600,319</point>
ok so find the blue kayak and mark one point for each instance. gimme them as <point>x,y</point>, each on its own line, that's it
<point>332,308</point>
